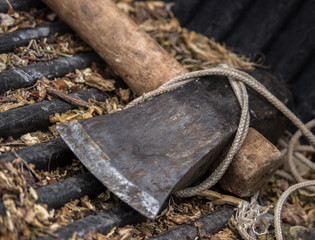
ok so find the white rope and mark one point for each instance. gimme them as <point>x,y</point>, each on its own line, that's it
<point>281,201</point>
<point>237,79</point>
<point>247,215</point>
<point>292,152</point>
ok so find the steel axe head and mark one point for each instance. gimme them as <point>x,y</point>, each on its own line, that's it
<point>145,153</point>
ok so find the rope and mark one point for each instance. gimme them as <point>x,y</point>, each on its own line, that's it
<point>291,155</point>
<point>281,200</point>
<point>292,152</point>
<point>237,79</point>
<point>247,216</point>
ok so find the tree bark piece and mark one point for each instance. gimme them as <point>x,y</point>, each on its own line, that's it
<point>8,41</point>
<point>252,166</point>
<point>139,60</point>
<point>36,116</point>
<point>28,75</point>
<point>210,223</point>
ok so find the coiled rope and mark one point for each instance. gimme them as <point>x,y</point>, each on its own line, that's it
<point>237,80</point>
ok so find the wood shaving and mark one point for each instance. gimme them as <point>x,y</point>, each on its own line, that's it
<point>194,51</point>
<point>24,219</point>
<point>95,80</point>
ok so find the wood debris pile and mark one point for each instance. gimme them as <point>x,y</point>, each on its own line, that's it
<point>194,51</point>
<point>24,219</point>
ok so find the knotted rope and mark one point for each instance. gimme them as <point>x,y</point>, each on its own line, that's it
<point>247,215</point>
<point>237,79</point>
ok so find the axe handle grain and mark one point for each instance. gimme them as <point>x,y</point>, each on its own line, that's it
<point>139,60</point>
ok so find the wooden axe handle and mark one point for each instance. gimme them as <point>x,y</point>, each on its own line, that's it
<point>139,60</point>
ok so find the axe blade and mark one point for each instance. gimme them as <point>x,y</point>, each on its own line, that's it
<point>145,153</point>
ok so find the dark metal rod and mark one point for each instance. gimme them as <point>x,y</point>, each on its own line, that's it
<point>120,216</point>
<point>36,116</point>
<point>23,5</point>
<point>102,222</point>
<point>57,194</point>
<point>8,41</point>
<point>28,75</point>
<point>47,155</point>
<point>211,223</point>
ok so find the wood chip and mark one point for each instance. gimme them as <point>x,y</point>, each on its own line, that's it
<point>95,80</point>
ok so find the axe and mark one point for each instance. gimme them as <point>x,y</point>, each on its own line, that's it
<point>147,152</point>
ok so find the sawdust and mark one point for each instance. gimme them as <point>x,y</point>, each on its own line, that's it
<point>83,207</point>
<point>95,80</point>
<point>60,173</point>
<point>42,50</point>
<point>23,218</point>
<point>192,50</point>
<point>173,215</point>
<point>28,139</point>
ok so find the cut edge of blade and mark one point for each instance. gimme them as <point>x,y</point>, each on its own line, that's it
<point>98,163</point>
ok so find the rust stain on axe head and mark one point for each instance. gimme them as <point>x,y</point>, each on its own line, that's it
<point>166,143</point>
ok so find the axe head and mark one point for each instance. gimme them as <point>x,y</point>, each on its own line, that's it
<point>145,153</point>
